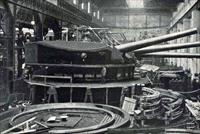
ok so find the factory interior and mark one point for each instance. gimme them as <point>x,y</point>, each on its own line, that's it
<point>100,66</point>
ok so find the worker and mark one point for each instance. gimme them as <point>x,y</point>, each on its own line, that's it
<point>83,57</point>
<point>103,74</point>
<point>20,43</point>
<point>195,82</point>
<point>186,81</point>
<point>86,36</point>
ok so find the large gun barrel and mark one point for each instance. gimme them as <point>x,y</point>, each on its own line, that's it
<point>156,40</point>
<point>172,55</point>
<point>166,47</point>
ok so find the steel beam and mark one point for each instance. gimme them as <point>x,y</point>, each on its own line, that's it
<point>63,11</point>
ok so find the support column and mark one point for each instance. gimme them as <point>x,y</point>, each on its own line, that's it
<point>8,41</point>
<point>180,40</point>
<point>186,26</point>
<point>170,42</point>
<point>39,27</point>
<point>57,29</point>
<point>38,32</point>
<point>195,22</point>
<point>174,42</point>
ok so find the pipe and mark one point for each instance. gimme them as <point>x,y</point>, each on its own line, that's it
<point>156,40</point>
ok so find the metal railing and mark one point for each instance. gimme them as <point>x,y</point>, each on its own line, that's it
<point>83,73</point>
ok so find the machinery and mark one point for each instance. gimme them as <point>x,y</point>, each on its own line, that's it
<point>99,69</point>
<point>158,108</point>
<point>71,118</point>
<point>90,69</point>
<point>153,109</point>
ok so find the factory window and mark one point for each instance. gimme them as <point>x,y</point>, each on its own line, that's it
<point>94,14</point>
<point>74,2</point>
<point>89,8</point>
<point>135,3</point>
<point>98,14</point>
<point>82,5</point>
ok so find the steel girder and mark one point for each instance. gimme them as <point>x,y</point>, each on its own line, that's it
<point>62,11</point>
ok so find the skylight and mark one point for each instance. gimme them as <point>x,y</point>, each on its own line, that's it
<point>135,3</point>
